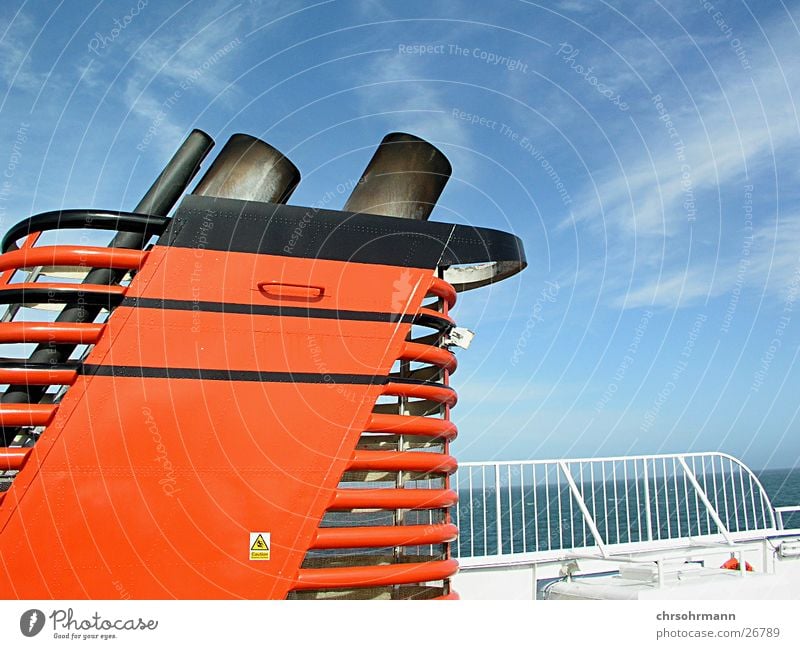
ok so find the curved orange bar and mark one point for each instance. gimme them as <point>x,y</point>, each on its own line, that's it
<point>437,393</point>
<point>422,353</point>
<point>436,315</point>
<point>443,289</point>
<point>361,576</point>
<point>45,332</point>
<point>393,499</point>
<point>88,256</point>
<point>408,425</point>
<point>331,538</point>
<point>13,459</point>
<point>23,376</point>
<point>26,414</point>
<point>86,288</point>
<point>402,461</point>
<point>30,241</point>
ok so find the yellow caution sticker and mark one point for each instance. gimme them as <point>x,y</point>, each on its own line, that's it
<point>259,546</point>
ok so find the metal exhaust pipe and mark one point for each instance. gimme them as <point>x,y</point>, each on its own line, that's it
<point>405,178</point>
<point>249,169</point>
<point>179,172</point>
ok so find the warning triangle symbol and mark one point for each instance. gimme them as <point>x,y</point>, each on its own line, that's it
<point>260,544</point>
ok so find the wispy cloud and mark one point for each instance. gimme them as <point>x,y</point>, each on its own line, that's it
<point>175,62</point>
<point>731,128</point>
<point>409,86</point>
<point>16,45</point>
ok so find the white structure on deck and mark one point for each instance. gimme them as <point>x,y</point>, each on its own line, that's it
<point>633,527</point>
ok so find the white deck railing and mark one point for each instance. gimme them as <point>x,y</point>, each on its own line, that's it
<point>546,506</point>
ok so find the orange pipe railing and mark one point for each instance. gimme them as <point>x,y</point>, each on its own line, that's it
<point>87,256</point>
<point>417,462</point>
<point>330,538</point>
<point>13,459</point>
<point>26,414</point>
<point>45,332</point>
<point>365,576</point>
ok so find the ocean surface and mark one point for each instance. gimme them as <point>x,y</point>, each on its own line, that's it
<point>783,488</point>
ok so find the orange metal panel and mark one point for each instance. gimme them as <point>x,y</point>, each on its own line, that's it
<point>267,343</point>
<point>156,483</point>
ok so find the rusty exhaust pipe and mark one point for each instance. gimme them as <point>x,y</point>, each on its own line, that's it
<point>405,178</point>
<point>249,169</point>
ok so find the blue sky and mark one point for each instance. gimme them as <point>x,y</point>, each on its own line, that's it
<point>645,152</point>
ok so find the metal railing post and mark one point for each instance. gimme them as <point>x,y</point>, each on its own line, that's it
<point>648,514</point>
<point>584,509</point>
<point>709,507</point>
<point>497,508</point>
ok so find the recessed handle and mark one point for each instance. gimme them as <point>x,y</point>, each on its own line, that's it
<point>286,291</point>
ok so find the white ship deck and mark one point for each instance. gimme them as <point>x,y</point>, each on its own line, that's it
<point>633,527</point>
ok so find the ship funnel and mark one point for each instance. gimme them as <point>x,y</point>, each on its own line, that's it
<point>249,169</point>
<point>288,367</point>
<point>405,178</point>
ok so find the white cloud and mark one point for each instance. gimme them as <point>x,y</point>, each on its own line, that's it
<point>16,44</point>
<point>174,63</point>
<point>393,81</point>
<point>678,288</point>
<point>745,129</point>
